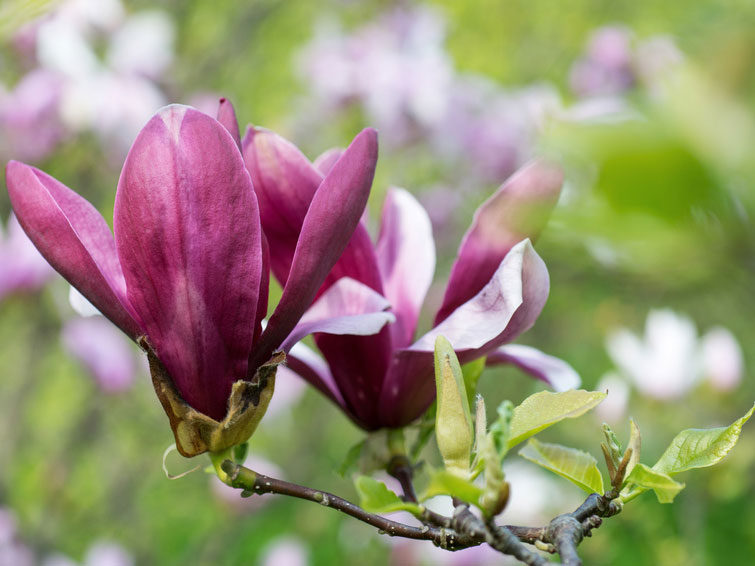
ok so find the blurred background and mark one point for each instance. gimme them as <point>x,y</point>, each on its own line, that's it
<point>649,106</point>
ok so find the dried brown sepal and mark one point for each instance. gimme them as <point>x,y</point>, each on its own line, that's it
<point>195,432</point>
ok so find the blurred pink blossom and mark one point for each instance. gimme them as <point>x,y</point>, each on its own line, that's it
<point>22,268</point>
<point>286,551</point>
<point>723,362</point>
<point>103,350</point>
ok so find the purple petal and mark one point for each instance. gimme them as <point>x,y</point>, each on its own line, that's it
<point>325,161</point>
<point>307,364</point>
<point>507,306</point>
<point>74,238</point>
<point>330,222</point>
<point>347,307</point>
<point>517,210</point>
<point>227,117</point>
<point>285,183</point>
<point>103,351</point>
<point>23,267</point>
<point>406,255</point>
<point>188,235</point>
<point>553,371</point>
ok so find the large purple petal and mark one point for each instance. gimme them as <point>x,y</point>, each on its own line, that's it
<point>553,371</point>
<point>285,182</point>
<point>347,307</point>
<point>517,210</point>
<point>330,222</point>
<point>406,255</point>
<point>74,238</point>
<point>507,306</point>
<point>188,235</point>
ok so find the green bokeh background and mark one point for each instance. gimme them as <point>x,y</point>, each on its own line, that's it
<point>77,465</point>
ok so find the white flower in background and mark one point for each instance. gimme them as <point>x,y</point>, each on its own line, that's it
<point>286,551</point>
<point>722,359</point>
<point>101,553</point>
<point>670,359</point>
<point>614,407</point>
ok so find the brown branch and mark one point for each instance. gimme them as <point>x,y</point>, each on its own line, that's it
<point>563,534</point>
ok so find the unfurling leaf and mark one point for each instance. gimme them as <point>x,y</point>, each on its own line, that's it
<point>541,410</point>
<point>453,420</point>
<point>375,497</point>
<point>443,482</point>
<point>699,448</point>
<point>578,467</point>
<point>635,443</point>
<point>664,487</point>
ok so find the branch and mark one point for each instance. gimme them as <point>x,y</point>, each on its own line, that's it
<point>255,483</point>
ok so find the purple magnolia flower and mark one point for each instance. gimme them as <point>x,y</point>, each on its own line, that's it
<point>497,288</point>
<point>21,266</point>
<point>187,271</point>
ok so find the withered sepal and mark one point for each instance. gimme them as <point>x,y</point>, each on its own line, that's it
<point>195,432</point>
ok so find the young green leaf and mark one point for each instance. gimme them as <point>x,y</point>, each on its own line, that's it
<point>472,372</point>
<point>443,482</point>
<point>664,487</point>
<point>541,410</point>
<point>375,497</point>
<point>578,467</point>
<point>699,448</point>
<point>635,443</point>
<point>453,420</point>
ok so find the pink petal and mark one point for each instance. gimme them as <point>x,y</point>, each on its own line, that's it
<point>227,117</point>
<point>507,306</point>
<point>325,161</point>
<point>104,351</point>
<point>285,183</point>
<point>517,210</point>
<point>347,307</point>
<point>310,366</point>
<point>553,371</point>
<point>188,235</point>
<point>74,238</point>
<point>330,222</point>
<point>406,255</point>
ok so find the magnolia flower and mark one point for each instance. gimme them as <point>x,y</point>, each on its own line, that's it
<point>186,274</point>
<point>497,288</point>
<point>285,551</point>
<point>670,359</point>
<point>21,266</point>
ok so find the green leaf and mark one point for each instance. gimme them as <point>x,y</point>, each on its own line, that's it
<point>375,497</point>
<point>664,487</point>
<point>443,482</point>
<point>453,420</point>
<point>699,448</point>
<point>351,461</point>
<point>541,410</point>
<point>635,443</point>
<point>578,467</point>
<point>472,372</point>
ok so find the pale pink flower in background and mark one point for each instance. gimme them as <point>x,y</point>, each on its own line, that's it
<point>12,551</point>
<point>22,267</point>
<point>285,551</point>
<point>723,362</point>
<point>101,553</point>
<point>103,350</point>
<point>670,359</point>
<point>30,127</point>
<point>614,406</point>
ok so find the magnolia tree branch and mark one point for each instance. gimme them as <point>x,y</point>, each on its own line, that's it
<point>563,534</point>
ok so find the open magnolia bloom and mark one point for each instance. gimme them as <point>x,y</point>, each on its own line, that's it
<point>186,273</point>
<point>497,289</point>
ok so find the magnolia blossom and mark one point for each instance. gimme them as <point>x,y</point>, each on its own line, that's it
<point>187,271</point>
<point>497,287</point>
<point>22,268</point>
<point>286,551</point>
<point>670,359</point>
